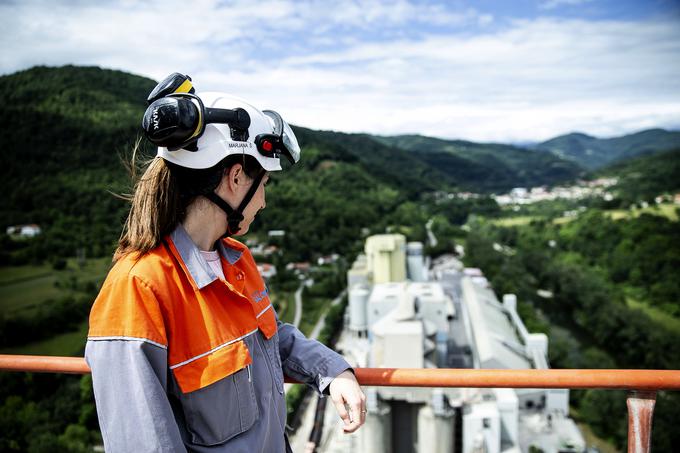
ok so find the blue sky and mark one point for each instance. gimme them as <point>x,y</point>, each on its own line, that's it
<point>504,71</point>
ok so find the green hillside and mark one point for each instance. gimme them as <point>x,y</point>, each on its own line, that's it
<point>484,167</point>
<point>70,126</point>
<point>593,153</point>
<point>645,177</point>
<point>74,126</point>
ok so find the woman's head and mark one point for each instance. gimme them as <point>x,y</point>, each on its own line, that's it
<point>203,157</point>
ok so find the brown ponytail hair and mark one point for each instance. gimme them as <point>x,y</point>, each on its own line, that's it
<point>162,195</point>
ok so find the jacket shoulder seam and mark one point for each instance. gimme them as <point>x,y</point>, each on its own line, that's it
<point>126,338</point>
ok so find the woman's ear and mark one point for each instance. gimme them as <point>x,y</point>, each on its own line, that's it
<point>228,186</point>
<point>234,177</point>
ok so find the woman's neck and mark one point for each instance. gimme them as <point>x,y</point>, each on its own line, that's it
<point>205,224</point>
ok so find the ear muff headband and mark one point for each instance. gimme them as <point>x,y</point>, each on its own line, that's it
<point>174,83</point>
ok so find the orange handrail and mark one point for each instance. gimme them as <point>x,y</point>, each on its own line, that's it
<point>490,378</point>
<point>642,384</point>
<point>43,364</point>
<point>433,377</point>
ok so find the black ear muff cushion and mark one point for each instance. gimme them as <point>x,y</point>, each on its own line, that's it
<point>172,121</point>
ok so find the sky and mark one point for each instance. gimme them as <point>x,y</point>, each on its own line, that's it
<point>491,71</point>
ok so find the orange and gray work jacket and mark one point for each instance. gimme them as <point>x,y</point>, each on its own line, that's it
<point>185,361</point>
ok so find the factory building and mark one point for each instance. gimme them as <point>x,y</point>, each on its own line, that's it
<point>402,314</point>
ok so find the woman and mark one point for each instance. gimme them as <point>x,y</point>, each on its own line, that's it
<point>186,350</point>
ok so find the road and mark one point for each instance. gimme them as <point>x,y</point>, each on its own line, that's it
<point>319,324</point>
<point>298,304</point>
<point>431,238</point>
<point>322,319</point>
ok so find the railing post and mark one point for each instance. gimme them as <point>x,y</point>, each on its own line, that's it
<point>640,411</point>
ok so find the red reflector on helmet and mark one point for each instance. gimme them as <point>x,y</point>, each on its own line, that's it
<point>267,145</point>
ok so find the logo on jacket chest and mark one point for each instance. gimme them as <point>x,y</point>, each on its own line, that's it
<point>257,296</point>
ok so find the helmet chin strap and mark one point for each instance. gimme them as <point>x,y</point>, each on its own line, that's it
<point>235,216</point>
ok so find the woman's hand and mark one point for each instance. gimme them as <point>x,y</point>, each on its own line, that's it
<point>345,391</point>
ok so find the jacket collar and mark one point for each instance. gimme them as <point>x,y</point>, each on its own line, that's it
<point>194,264</point>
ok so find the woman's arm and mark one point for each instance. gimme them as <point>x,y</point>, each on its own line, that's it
<point>306,360</point>
<point>313,363</point>
<point>127,352</point>
<point>130,389</point>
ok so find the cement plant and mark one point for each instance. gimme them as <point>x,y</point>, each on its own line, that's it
<point>406,311</point>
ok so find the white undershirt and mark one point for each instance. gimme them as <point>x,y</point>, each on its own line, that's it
<point>213,259</point>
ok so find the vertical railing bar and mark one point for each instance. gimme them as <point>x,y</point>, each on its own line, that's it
<point>640,412</point>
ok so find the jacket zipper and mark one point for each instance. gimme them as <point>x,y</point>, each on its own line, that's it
<point>250,377</point>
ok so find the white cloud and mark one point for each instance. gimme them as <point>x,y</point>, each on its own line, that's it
<point>364,67</point>
<point>552,4</point>
<point>532,81</point>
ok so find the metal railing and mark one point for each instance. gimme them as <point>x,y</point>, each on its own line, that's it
<point>642,385</point>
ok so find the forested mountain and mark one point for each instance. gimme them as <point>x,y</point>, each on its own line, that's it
<point>484,167</point>
<point>65,130</point>
<point>593,153</point>
<point>69,129</point>
<point>73,128</point>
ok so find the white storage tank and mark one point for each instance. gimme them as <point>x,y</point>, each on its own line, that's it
<point>376,435</point>
<point>415,263</point>
<point>436,425</point>
<point>358,301</point>
<point>357,276</point>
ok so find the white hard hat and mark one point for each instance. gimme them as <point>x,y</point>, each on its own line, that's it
<point>267,137</point>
